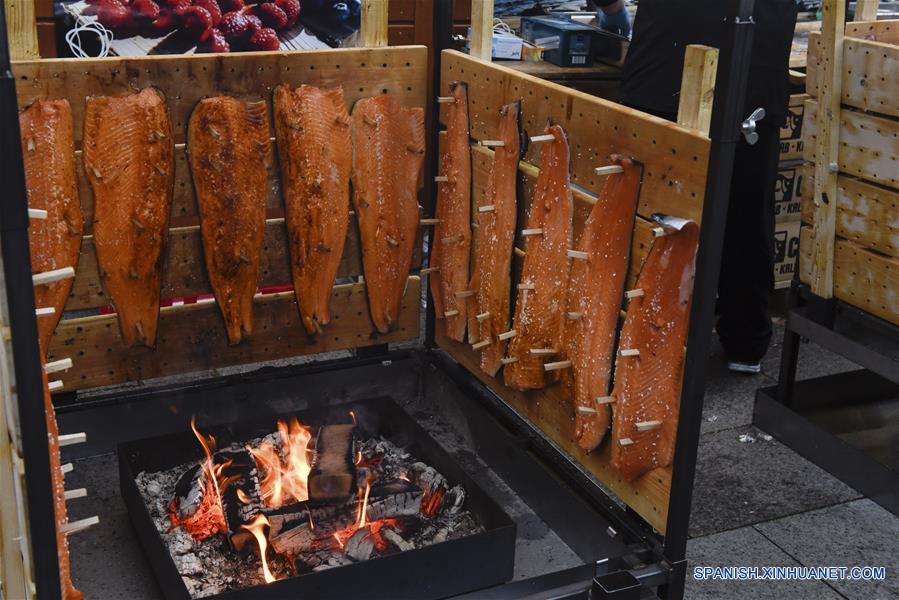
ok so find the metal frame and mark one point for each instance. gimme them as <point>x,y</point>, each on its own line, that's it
<point>654,562</point>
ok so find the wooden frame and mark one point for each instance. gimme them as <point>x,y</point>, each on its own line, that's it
<point>675,161</point>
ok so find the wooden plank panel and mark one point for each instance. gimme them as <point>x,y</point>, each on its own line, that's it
<point>21,28</point>
<point>46,38</point>
<point>697,91</point>
<point>373,23</point>
<point>867,214</point>
<point>881,31</point>
<point>862,278</point>
<point>192,338</point>
<point>401,11</point>
<point>401,35</point>
<point>551,410</point>
<point>869,145</point>
<point>675,159</point>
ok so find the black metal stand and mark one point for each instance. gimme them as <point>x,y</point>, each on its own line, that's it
<point>847,424</point>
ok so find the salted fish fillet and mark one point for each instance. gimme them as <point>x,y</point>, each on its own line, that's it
<point>229,147</point>
<point>48,150</point>
<point>494,239</point>
<point>647,386</point>
<point>389,146</point>
<point>595,292</point>
<point>129,162</point>
<point>57,481</point>
<point>315,151</point>
<point>540,300</point>
<point>451,246</point>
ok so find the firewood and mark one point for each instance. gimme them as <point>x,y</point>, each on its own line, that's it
<point>333,474</point>
<point>360,546</point>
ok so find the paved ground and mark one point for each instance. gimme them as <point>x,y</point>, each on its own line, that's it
<point>758,503</point>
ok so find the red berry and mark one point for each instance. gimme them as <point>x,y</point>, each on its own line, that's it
<point>213,7</point>
<point>110,13</point>
<point>265,39</point>
<point>229,5</point>
<point>166,22</point>
<point>215,43</point>
<point>270,15</point>
<point>235,26</point>
<point>291,8</point>
<point>197,21</point>
<point>144,10</point>
<point>255,23</point>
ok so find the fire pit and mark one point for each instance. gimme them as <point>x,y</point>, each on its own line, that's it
<point>354,499</point>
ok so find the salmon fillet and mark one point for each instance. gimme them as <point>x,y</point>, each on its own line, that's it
<point>494,238</point>
<point>451,246</point>
<point>48,149</point>
<point>315,151</point>
<point>544,279</point>
<point>648,386</point>
<point>229,147</point>
<point>128,159</point>
<point>389,146</point>
<point>58,484</point>
<point>595,290</point>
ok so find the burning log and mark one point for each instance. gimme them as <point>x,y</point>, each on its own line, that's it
<point>391,536</point>
<point>361,545</point>
<point>438,496</point>
<point>333,474</point>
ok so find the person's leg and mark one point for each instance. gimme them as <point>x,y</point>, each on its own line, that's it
<point>747,261</point>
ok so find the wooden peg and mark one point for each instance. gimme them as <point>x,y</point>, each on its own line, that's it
<point>70,439</point>
<point>586,410</point>
<point>633,293</point>
<point>520,252</point>
<point>542,138</point>
<point>543,352</point>
<point>647,425</point>
<point>427,222</point>
<point>609,170</point>
<point>465,294</point>
<point>574,316</point>
<point>527,232</point>
<point>525,286</point>
<point>625,442</point>
<point>429,270</point>
<point>482,344</point>
<point>451,313</point>
<point>445,99</point>
<point>557,366</point>
<point>441,178</point>
<point>58,365</point>
<point>76,526</point>
<point>630,352</point>
<point>492,143</point>
<point>509,361</point>
<point>487,208</point>
<point>658,231</point>
<point>44,312</point>
<point>452,239</point>
<point>76,493</point>
<point>54,275</point>
<point>66,468</point>
<point>392,241</point>
<point>37,213</point>
<point>55,385</point>
<point>578,254</point>
<point>482,317</point>
<point>606,400</point>
<point>507,335</point>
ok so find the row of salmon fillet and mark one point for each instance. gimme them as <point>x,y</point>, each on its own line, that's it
<point>561,320</point>
<point>128,156</point>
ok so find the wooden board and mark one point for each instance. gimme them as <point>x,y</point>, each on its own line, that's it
<point>192,338</point>
<point>867,214</point>
<point>675,159</point>
<point>869,145</point>
<point>862,278</point>
<point>21,29</point>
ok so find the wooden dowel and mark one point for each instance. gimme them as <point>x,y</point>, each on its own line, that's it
<point>578,254</point>
<point>557,366</point>
<point>452,239</point>
<point>492,143</point>
<point>633,293</point>
<point>542,138</point>
<point>509,361</point>
<point>429,270</point>
<point>574,316</point>
<point>606,400</point>
<point>451,313</point>
<point>54,275</point>
<point>609,170</point>
<point>445,99</point>
<point>658,231</point>
<point>37,213</point>
<point>486,208</point>
<point>427,222</point>
<point>527,232</point>
<point>520,252</point>
<point>66,468</point>
<point>441,178</point>
<point>44,312</point>
<point>648,425</point>
<point>465,294</point>
<point>482,344</point>
<point>507,335</point>
<point>625,442</point>
<point>543,351</point>
<point>76,526</point>
<point>55,385</point>
<point>58,365</point>
<point>525,286</point>
<point>70,439</point>
<point>586,410</point>
<point>630,352</point>
<point>482,317</point>
<point>76,493</point>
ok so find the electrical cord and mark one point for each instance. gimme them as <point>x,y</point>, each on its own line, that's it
<point>104,35</point>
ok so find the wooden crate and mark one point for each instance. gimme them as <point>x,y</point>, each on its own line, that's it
<point>192,337</point>
<point>849,247</point>
<point>675,161</point>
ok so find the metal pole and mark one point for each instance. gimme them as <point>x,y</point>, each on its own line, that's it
<point>23,326</point>
<point>730,92</point>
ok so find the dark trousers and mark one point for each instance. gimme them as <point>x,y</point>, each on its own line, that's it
<point>747,259</point>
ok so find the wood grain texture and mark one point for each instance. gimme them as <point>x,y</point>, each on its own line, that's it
<point>482,29</point>
<point>373,23</point>
<point>21,29</point>
<point>867,214</point>
<point>674,158</point>
<point>862,278</point>
<point>193,338</point>
<point>866,10</point>
<point>697,89</point>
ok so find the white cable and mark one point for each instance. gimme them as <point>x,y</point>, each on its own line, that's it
<point>104,35</point>
<point>501,27</point>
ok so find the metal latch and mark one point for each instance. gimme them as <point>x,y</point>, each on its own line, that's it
<point>749,124</point>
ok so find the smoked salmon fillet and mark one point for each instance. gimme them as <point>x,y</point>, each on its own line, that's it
<point>129,161</point>
<point>57,481</point>
<point>230,152</point>
<point>595,291</point>
<point>494,238</point>
<point>389,146</point>
<point>648,384</point>
<point>48,149</point>
<point>315,151</point>
<point>543,288</point>
<point>451,246</point>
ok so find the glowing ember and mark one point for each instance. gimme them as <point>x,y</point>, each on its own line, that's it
<point>285,470</point>
<point>209,517</point>
<point>257,528</point>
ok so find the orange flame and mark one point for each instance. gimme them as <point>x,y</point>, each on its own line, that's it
<point>286,469</point>
<point>209,517</point>
<point>257,528</point>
